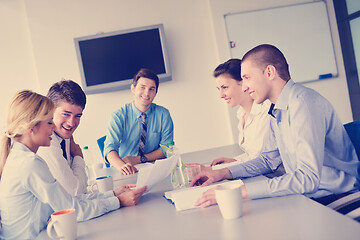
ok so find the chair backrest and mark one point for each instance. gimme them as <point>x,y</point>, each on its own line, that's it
<point>353,130</point>
<point>100,143</point>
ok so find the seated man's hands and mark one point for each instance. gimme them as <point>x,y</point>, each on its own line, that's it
<point>123,188</point>
<point>202,167</point>
<point>222,160</point>
<point>208,177</point>
<point>128,196</point>
<point>208,197</point>
<point>128,169</point>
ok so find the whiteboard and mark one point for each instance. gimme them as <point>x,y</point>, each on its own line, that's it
<point>301,32</point>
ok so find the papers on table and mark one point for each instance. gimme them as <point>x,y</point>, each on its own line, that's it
<point>155,173</point>
<point>185,198</point>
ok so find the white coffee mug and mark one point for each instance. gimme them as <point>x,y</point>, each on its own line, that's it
<point>229,199</point>
<point>103,184</point>
<point>64,223</point>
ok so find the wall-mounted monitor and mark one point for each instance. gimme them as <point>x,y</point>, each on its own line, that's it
<point>109,61</point>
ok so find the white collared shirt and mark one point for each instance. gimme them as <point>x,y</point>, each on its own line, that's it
<point>308,137</point>
<point>252,134</point>
<point>255,130</point>
<point>69,173</point>
<point>29,194</point>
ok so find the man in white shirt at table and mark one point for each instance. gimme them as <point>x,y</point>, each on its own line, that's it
<point>306,135</point>
<point>64,157</point>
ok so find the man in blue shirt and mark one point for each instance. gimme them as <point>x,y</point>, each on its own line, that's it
<point>306,135</point>
<point>121,147</point>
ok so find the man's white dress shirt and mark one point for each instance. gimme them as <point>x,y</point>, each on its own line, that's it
<point>69,173</point>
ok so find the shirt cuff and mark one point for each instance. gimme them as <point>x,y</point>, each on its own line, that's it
<point>258,189</point>
<point>112,203</point>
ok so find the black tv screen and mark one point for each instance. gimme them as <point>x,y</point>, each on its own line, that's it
<point>109,61</point>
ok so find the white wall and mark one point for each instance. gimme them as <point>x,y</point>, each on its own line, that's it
<point>334,89</point>
<point>16,59</point>
<point>37,49</point>
<point>200,119</point>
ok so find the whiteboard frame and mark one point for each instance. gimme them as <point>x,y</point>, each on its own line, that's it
<point>295,60</point>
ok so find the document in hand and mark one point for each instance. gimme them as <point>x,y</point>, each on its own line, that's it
<point>155,173</point>
<point>185,198</point>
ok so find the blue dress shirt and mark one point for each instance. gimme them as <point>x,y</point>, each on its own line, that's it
<point>29,194</point>
<point>124,130</point>
<point>307,136</point>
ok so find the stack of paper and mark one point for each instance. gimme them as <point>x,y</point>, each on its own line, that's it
<point>185,198</point>
<point>151,175</point>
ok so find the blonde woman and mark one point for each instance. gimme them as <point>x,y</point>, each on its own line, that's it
<point>28,191</point>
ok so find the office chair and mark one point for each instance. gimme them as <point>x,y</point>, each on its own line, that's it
<point>353,130</point>
<point>350,204</point>
<point>100,143</point>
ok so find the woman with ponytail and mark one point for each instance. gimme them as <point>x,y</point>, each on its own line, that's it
<point>29,194</point>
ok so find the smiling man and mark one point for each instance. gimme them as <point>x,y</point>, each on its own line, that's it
<point>306,135</point>
<point>137,129</point>
<point>64,157</point>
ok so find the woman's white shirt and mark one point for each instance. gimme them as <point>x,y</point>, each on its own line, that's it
<point>29,194</point>
<point>251,134</point>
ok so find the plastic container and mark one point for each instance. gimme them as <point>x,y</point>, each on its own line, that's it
<point>178,176</point>
<point>93,167</point>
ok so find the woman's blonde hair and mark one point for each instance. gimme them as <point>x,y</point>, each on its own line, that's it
<point>26,110</point>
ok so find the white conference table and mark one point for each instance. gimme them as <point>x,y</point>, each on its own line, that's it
<point>291,217</point>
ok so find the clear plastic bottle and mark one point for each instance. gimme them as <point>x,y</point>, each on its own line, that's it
<point>88,157</point>
<point>92,166</point>
<point>178,176</point>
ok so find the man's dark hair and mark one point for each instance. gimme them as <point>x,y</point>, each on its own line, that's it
<point>69,91</point>
<point>146,73</point>
<point>266,54</point>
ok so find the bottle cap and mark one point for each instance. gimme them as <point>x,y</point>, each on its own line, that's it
<point>86,147</point>
<point>171,143</point>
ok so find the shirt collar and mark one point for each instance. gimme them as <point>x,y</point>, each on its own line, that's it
<point>256,109</point>
<point>283,99</point>
<point>57,137</point>
<point>19,145</point>
<point>138,112</point>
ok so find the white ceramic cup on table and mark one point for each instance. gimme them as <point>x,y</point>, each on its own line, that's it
<point>64,223</point>
<point>103,184</point>
<point>229,199</point>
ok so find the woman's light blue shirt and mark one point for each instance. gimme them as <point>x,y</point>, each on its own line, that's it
<point>307,136</point>
<point>29,194</point>
<point>124,130</point>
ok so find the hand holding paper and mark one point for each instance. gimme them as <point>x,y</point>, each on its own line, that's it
<point>155,173</point>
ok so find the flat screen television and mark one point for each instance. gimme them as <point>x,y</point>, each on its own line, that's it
<point>109,61</point>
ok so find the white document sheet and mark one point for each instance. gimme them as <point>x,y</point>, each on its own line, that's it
<point>155,173</point>
<point>185,198</point>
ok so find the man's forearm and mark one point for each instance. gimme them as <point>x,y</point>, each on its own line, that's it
<point>115,160</point>
<point>157,154</point>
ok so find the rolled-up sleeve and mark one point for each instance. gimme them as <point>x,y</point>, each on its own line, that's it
<point>114,134</point>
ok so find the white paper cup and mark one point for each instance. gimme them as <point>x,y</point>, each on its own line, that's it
<point>229,199</point>
<point>64,224</point>
<point>103,184</point>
